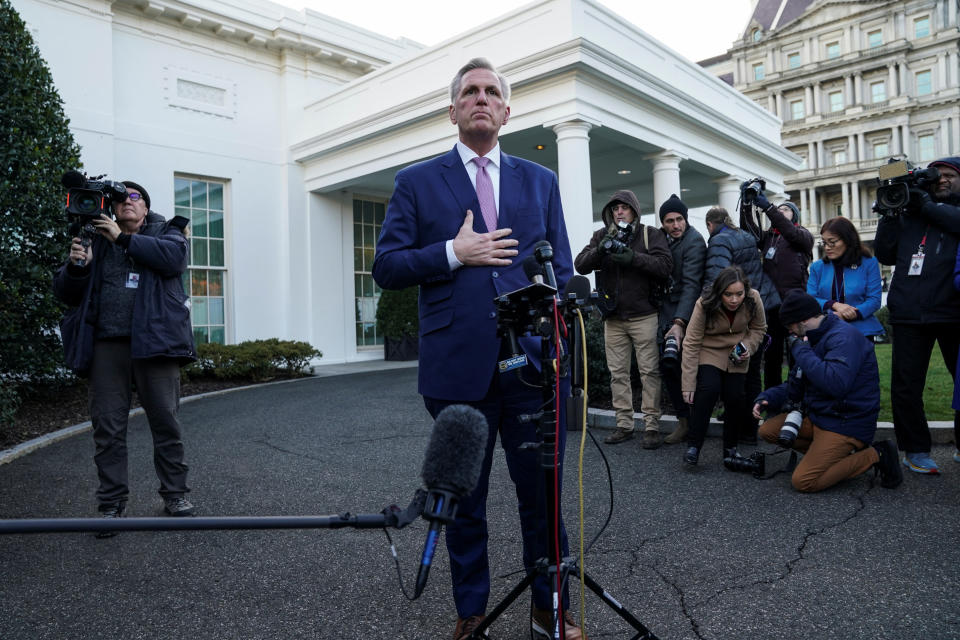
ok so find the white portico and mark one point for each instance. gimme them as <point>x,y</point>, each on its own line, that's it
<point>593,98</point>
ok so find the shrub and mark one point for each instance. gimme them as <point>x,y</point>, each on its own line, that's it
<point>254,360</point>
<point>397,313</point>
<point>36,148</point>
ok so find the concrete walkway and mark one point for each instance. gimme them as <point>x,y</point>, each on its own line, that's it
<point>695,553</point>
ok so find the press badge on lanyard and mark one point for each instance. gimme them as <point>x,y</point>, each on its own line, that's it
<point>916,260</point>
<point>133,280</point>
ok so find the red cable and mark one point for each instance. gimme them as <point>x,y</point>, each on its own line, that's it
<point>556,460</point>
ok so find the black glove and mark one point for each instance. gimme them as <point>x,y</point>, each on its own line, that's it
<point>918,199</point>
<point>792,340</point>
<point>624,258</point>
<point>761,201</point>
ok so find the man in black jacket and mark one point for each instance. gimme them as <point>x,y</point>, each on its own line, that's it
<point>629,258</point>
<point>787,250</point>
<point>924,306</point>
<point>689,252</point>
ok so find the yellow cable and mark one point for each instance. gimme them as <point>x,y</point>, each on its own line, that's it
<point>583,440</point>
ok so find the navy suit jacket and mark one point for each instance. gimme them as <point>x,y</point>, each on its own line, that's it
<point>459,347</point>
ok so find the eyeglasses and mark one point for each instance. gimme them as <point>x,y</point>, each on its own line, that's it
<point>134,196</point>
<point>830,243</point>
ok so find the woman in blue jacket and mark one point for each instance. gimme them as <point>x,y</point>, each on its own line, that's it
<point>846,281</point>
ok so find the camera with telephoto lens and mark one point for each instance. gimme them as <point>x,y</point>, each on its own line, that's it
<point>755,463</point>
<point>88,198</point>
<point>671,352</point>
<point>752,188</point>
<point>619,241</point>
<point>896,179</point>
<point>791,426</point>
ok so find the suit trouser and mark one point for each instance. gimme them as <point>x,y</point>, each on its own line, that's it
<point>912,348</point>
<point>621,337</point>
<point>467,536</point>
<point>158,387</point>
<point>828,457</point>
<point>713,384</point>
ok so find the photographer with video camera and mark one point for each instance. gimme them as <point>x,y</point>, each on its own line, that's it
<point>129,325</point>
<point>786,248</point>
<point>920,238</point>
<point>689,252</point>
<point>629,257</point>
<point>836,384</point>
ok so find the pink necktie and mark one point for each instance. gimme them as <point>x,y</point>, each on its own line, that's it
<point>488,205</point>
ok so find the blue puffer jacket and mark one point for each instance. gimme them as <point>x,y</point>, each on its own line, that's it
<point>839,381</point>
<point>862,289</point>
<point>731,246</point>
<point>161,317</point>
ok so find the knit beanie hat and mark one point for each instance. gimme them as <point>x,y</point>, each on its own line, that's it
<point>953,163</point>
<point>798,306</point>
<point>795,209</point>
<point>143,192</point>
<point>673,205</point>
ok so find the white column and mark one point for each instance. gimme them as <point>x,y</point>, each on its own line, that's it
<point>819,144</point>
<point>814,209</point>
<point>808,100</point>
<point>955,136</point>
<point>857,206</point>
<point>951,14</point>
<point>666,176</point>
<point>812,156</point>
<point>573,173</point>
<point>896,140</point>
<point>942,70</point>
<point>852,148</point>
<point>892,73</point>
<point>905,84</point>
<point>780,105</point>
<point>943,148</point>
<point>858,88</point>
<point>817,104</point>
<point>848,97</point>
<point>772,104</point>
<point>861,153</point>
<point>907,147</point>
<point>804,210</point>
<point>845,198</point>
<point>728,192</point>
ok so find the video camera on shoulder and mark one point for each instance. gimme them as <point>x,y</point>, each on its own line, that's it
<point>619,241</point>
<point>896,179</point>
<point>87,198</point>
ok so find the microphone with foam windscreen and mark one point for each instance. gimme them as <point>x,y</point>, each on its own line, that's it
<point>451,469</point>
<point>533,270</point>
<point>73,180</point>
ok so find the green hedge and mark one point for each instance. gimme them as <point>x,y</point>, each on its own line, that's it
<point>254,360</point>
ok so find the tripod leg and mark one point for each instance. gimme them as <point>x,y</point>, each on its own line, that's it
<point>524,584</point>
<point>644,633</point>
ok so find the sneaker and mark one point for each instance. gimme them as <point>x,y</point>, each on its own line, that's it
<point>921,462</point>
<point>888,467</point>
<point>541,623</point>
<point>618,436</point>
<point>692,456</point>
<point>177,506</point>
<point>651,439</point>
<point>114,510</point>
<point>466,626</point>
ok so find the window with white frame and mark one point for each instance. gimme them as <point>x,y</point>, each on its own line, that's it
<point>924,82</point>
<point>758,73</point>
<point>921,27</point>
<point>203,202</point>
<point>926,147</point>
<point>833,50</point>
<point>836,100</point>
<point>875,38</point>
<point>793,60</point>
<point>878,91</point>
<point>839,157</point>
<point>796,110</point>
<point>367,220</point>
<point>880,150</point>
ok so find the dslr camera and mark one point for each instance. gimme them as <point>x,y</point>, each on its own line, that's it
<point>754,464</point>
<point>88,198</point>
<point>752,188</point>
<point>671,353</point>
<point>896,179</point>
<point>619,241</point>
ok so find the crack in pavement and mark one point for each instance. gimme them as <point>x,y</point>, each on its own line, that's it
<point>265,441</point>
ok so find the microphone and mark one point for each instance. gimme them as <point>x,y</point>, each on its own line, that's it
<point>578,289</point>
<point>73,180</point>
<point>533,270</point>
<point>451,469</point>
<point>543,252</point>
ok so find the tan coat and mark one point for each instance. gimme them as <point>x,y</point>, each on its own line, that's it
<point>702,345</point>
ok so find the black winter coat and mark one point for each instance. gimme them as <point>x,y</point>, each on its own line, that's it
<point>792,253</point>
<point>689,255</point>
<point>929,297</point>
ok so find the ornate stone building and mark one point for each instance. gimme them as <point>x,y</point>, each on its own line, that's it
<point>855,83</point>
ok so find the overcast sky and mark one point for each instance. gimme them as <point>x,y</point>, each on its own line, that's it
<point>697,29</point>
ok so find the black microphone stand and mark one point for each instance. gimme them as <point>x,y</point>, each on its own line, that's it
<point>512,307</point>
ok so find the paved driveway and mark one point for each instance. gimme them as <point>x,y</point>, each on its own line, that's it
<point>697,554</point>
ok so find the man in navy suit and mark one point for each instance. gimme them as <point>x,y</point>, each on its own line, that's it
<point>459,226</point>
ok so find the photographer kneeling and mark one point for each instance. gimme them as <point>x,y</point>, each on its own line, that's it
<point>837,384</point>
<point>129,305</point>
